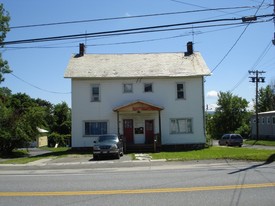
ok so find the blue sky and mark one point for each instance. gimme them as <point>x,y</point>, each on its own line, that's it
<point>38,68</point>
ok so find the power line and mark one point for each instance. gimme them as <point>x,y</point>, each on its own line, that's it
<point>232,47</point>
<point>259,59</point>
<point>39,88</point>
<point>128,31</point>
<point>132,17</point>
<point>119,43</point>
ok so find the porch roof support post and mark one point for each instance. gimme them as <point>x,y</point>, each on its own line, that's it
<point>118,132</point>
<point>159,128</point>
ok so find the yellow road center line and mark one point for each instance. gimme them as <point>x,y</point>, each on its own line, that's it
<point>136,191</point>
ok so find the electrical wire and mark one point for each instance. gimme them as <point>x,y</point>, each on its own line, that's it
<point>132,17</point>
<point>118,43</point>
<point>129,31</point>
<point>39,88</point>
<point>238,39</point>
<point>259,59</point>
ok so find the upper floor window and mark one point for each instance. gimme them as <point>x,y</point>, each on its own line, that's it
<point>148,87</point>
<point>180,91</point>
<point>95,93</point>
<point>127,88</point>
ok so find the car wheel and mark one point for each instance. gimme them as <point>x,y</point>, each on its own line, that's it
<point>95,157</point>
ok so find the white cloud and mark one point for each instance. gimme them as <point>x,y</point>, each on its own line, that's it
<point>212,94</point>
<point>127,14</point>
<point>251,106</point>
<point>211,107</point>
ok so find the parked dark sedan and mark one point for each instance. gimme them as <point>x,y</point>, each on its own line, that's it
<point>231,140</point>
<point>108,145</point>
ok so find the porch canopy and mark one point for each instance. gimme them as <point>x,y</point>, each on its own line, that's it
<point>137,106</point>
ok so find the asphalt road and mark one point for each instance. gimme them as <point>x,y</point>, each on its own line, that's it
<point>150,183</point>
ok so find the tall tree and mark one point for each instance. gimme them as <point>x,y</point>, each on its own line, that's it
<point>266,99</point>
<point>4,28</point>
<point>62,119</point>
<point>60,128</point>
<point>230,115</point>
<point>19,118</point>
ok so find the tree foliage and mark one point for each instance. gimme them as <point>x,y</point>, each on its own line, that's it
<point>4,28</point>
<point>230,115</point>
<point>62,119</point>
<point>19,118</point>
<point>21,115</point>
<point>266,101</point>
<point>61,125</point>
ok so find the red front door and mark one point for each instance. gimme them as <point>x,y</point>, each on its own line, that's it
<point>149,131</point>
<point>128,130</point>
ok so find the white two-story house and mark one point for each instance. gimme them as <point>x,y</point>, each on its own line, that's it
<point>139,97</point>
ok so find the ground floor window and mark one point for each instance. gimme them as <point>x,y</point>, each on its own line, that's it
<point>181,125</point>
<point>95,127</point>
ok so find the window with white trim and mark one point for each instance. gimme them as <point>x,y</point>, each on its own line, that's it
<point>273,119</point>
<point>181,125</point>
<point>95,93</point>
<point>127,88</point>
<point>95,127</point>
<point>268,120</point>
<point>148,87</point>
<point>180,91</point>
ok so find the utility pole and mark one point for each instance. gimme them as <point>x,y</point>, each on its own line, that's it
<point>256,79</point>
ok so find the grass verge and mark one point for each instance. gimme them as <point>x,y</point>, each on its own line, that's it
<point>234,153</point>
<point>218,153</point>
<point>60,152</point>
<point>260,142</point>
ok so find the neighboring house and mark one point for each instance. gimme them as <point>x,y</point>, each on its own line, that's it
<point>266,125</point>
<point>41,139</point>
<point>141,97</point>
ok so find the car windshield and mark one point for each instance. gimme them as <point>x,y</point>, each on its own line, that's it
<point>107,138</point>
<point>236,137</point>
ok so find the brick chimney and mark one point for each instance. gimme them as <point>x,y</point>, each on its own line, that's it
<point>81,49</point>
<point>189,48</point>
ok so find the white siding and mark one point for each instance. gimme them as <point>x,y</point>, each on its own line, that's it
<point>164,95</point>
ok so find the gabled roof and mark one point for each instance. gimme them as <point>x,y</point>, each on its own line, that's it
<point>137,106</point>
<point>40,130</point>
<point>136,65</point>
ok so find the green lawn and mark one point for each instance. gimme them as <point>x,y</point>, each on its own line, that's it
<point>59,152</point>
<point>260,142</point>
<point>234,153</point>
